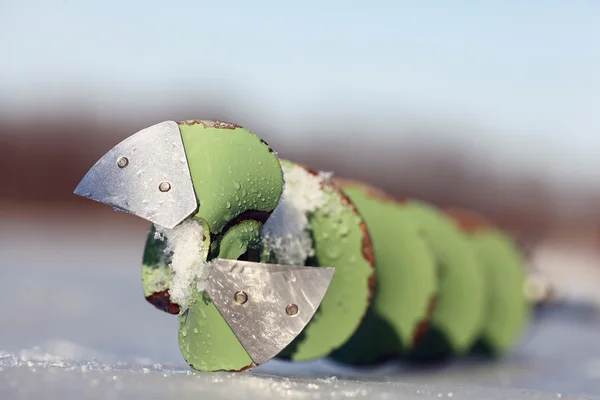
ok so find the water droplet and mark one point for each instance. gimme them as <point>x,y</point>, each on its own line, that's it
<point>333,252</point>
<point>203,313</point>
<point>244,193</point>
<point>184,332</point>
<point>228,204</point>
<point>344,229</point>
<point>237,185</point>
<point>195,330</point>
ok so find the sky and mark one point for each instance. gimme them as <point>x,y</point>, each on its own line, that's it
<point>524,74</point>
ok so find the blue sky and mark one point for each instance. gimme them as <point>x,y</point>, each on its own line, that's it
<point>518,70</point>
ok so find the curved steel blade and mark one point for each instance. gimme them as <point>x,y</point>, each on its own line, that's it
<point>273,302</point>
<point>147,175</point>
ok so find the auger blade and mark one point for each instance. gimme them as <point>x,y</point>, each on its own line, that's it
<point>147,175</point>
<point>266,305</point>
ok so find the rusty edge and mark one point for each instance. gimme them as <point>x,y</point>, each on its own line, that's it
<point>367,245</point>
<point>220,125</point>
<point>424,325</point>
<point>469,221</point>
<point>209,124</point>
<point>246,368</point>
<point>378,194</point>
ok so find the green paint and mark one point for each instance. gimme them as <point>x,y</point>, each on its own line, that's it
<point>233,171</point>
<point>507,308</point>
<point>338,243</point>
<point>460,307</point>
<point>206,341</point>
<point>406,281</point>
<point>241,239</point>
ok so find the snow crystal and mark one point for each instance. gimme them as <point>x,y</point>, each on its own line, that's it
<point>190,270</point>
<point>286,232</point>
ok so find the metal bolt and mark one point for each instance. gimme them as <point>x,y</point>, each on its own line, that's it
<point>240,297</point>
<point>164,187</point>
<point>291,309</point>
<point>122,162</point>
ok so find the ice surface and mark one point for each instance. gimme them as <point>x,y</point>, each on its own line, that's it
<point>96,337</point>
<point>286,232</point>
<point>190,270</point>
<point>51,377</point>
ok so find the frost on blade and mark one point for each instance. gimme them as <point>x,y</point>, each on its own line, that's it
<point>287,233</point>
<point>184,244</point>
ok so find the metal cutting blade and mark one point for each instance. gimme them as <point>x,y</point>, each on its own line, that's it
<point>266,305</point>
<point>147,175</point>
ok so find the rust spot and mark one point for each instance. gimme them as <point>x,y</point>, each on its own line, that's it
<point>369,254</point>
<point>468,221</point>
<point>162,301</point>
<point>209,124</point>
<point>367,245</point>
<point>247,367</point>
<point>423,326</point>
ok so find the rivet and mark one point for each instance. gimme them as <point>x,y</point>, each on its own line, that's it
<point>240,297</point>
<point>291,309</point>
<point>164,187</point>
<point>122,162</point>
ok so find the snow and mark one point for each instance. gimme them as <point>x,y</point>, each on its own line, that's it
<point>75,325</point>
<point>287,231</point>
<point>190,270</point>
<point>51,373</point>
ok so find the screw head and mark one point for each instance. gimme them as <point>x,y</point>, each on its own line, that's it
<point>240,297</point>
<point>164,187</point>
<point>291,309</point>
<point>122,162</point>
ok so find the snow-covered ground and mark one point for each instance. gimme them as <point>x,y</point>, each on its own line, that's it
<point>74,324</point>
